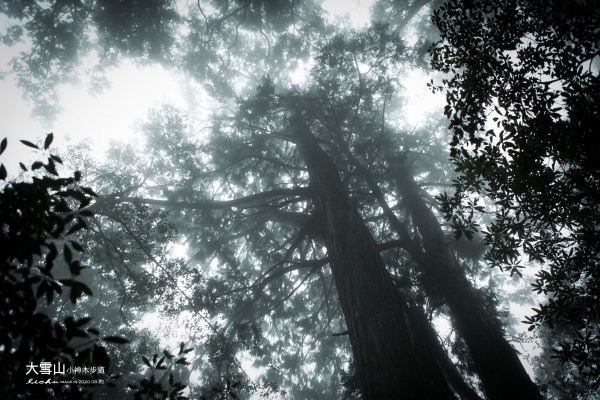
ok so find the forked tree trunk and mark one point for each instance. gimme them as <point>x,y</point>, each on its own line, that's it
<point>497,364</point>
<point>393,359</point>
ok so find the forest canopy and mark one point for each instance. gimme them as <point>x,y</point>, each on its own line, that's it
<point>303,240</point>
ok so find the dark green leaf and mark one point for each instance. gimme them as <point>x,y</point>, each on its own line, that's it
<point>75,293</point>
<point>66,282</point>
<point>51,168</point>
<point>48,140</point>
<point>76,227</point>
<point>83,321</point>
<point>93,331</point>
<point>86,289</point>
<point>115,339</point>
<point>76,246</point>
<point>100,356</point>
<point>75,268</point>
<point>89,191</point>
<point>86,213</point>
<point>68,254</point>
<point>77,289</point>
<point>146,361</point>
<point>28,143</point>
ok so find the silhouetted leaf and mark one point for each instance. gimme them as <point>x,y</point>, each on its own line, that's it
<point>68,254</point>
<point>48,140</point>
<point>115,339</point>
<point>28,143</point>
<point>146,361</point>
<point>51,168</point>
<point>83,321</point>
<point>76,246</point>
<point>75,268</point>
<point>100,356</point>
<point>77,226</point>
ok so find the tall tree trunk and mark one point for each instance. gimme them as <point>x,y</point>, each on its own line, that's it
<point>393,359</point>
<point>498,366</point>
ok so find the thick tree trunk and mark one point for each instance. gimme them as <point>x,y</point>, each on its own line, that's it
<point>394,360</point>
<point>498,366</point>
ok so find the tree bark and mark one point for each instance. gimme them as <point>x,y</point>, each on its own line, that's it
<point>394,359</point>
<point>497,364</point>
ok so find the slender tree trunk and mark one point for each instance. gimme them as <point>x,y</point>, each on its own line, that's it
<point>498,366</point>
<point>394,360</point>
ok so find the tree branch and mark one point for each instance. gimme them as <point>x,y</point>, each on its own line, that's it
<point>252,201</point>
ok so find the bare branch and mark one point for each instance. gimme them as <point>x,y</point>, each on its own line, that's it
<point>262,199</point>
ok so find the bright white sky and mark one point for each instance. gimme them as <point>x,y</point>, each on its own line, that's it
<point>108,116</point>
<point>356,12</point>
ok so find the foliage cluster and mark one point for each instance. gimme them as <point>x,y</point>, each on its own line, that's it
<point>523,103</point>
<point>39,217</point>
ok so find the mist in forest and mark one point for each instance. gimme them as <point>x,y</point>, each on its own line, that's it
<point>296,199</point>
